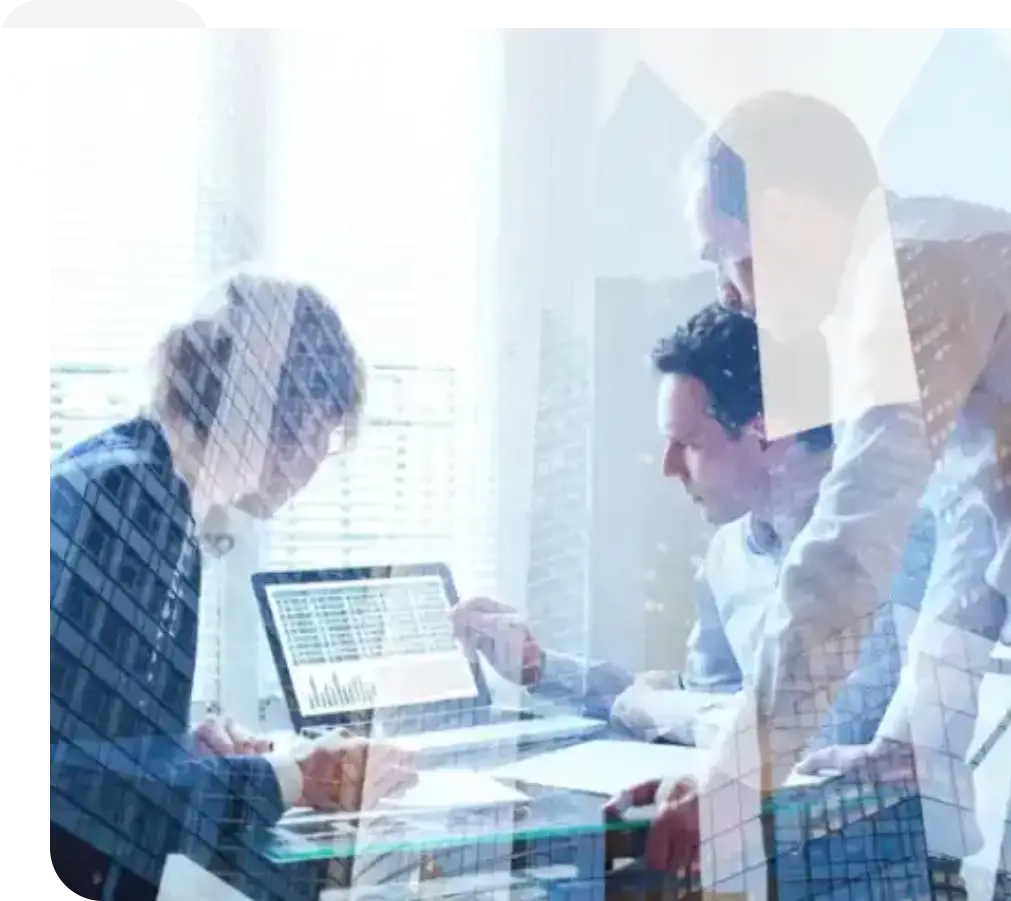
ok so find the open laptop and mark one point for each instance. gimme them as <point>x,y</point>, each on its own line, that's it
<point>372,649</point>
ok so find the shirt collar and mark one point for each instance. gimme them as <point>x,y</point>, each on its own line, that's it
<point>761,537</point>
<point>793,494</point>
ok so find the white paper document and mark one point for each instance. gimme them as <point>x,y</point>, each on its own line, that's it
<point>434,790</point>
<point>454,789</point>
<point>604,767</point>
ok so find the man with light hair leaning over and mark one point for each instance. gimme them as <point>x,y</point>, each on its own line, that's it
<point>917,320</point>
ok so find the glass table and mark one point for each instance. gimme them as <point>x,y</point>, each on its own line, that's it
<point>560,845</point>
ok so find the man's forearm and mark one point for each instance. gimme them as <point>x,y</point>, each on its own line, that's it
<point>838,571</point>
<point>937,701</point>
<point>565,677</point>
<point>266,785</point>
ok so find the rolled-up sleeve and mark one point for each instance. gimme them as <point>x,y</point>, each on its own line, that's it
<point>592,684</point>
<point>963,615</point>
<point>836,574</point>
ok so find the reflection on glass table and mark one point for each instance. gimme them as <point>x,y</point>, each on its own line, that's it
<point>540,814</point>
<point>544,814</point>
<point>557,844</point>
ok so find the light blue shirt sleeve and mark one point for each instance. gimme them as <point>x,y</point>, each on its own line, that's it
<point>840,567</point>
<point>592,684</point>
<point>840,570</point>
<point>936,703</point>
<point>862,703</point>
<point>711,665</point>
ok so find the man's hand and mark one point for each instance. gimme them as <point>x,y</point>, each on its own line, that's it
<point>500,634</point>
<point>222,736</point>
<point>349,774</point>
<point>632,710</point>
<point>659,679</point>
<point>880,762</point>
<point>672,843</point>
<point>923,770</point>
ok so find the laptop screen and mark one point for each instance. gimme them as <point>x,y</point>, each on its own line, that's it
<point>369,643</point>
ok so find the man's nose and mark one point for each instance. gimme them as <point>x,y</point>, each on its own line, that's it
<point>673,462</point>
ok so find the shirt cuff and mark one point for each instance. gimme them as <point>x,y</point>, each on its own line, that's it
<point>289,778</point>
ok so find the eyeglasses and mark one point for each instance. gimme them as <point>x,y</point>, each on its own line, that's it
<point>307,429</point>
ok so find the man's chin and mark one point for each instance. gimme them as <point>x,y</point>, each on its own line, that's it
<point>716,517</point>
<point>257,506</point>
<point>709,517</point>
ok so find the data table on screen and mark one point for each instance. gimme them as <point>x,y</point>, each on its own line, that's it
<point>352,645</point>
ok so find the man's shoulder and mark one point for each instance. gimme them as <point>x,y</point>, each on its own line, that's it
<point>952,255</point>
<point>138,442</point>
<point>135,450</point>
<point>124,471</point>
<point>944,219</point>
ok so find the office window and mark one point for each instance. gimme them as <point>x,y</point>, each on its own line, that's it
<point>377,197</point>
<point>143,217</point>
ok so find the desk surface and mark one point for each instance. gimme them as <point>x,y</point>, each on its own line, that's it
<point>557,836</point>
<point>554,816</point>
<point>526,851</point>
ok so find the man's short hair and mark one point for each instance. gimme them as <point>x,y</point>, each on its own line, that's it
<point>719,348</point>
<point>784,140</point>
<point>320,369</point>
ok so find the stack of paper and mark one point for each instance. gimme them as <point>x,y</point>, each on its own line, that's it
<point>604,767</point>
<point>434,790</point>
<point>455,789</point>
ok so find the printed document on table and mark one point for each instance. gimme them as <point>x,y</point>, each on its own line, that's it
<point>604,767</point>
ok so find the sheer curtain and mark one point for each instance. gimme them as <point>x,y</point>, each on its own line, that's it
<point>382,182</point>
<point>440,192</point>
<point>364,162</point>
<point>124,108</point>
<point>114,118</point>
<point>142,214</point>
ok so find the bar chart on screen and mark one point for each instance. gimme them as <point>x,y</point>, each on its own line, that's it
<point>334,694</point>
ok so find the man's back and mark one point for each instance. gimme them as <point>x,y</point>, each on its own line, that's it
<point>124,584</point>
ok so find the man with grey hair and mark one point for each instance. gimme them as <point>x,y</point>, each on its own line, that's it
<point>916,315</point>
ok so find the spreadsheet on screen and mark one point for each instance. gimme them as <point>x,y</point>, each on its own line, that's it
<point>369,643</point>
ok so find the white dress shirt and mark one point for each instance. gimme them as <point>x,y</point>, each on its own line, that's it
<point>931,302</point>
<point>289,778</point>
